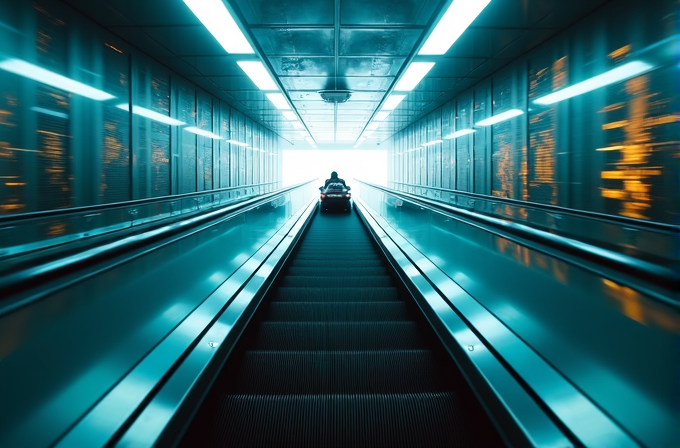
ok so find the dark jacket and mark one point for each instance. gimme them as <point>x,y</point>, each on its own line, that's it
<point>334,180</point>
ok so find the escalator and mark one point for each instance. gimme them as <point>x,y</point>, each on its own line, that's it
<point>339,355</point>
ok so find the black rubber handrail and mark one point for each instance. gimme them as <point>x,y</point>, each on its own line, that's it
<point>117,205</point>
<point>549,208</point>
<point>33,276</point>
<point>657,275</point>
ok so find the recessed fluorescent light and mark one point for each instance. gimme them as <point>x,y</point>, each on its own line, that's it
<point>258,74</point>
<point>237,143</point>
<point>296,125</point>
<point>373,126</point>
<point>500,117</point>
<point>452,25</point>
<point>380,116</point>
<point>459,133</point>
<point>203,133</point>
<point>433,142</point>
<point>609,77</point>
<point>146,113</point>
<point>278,100</point>
<point>392,101</point>
<point>53,113</point>
<point>413,75</point>
<point>215,17</point>
<point>361,139</point>
<point>290,115</point>
<point>303,133</point>
<point>30,71</point>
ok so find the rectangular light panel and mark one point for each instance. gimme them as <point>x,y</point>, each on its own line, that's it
<point>202,133</point>
<point>30,71</point>
<point>621,73</point>
<point>413,75</point>
<point>459,133</point>
<point>452,25</point>
<point>392,102</point>
<point>258,74</point>
<point>433,142</point>
<point>290,115</point>
<point>215,17</point>
<point>278,100</point>
<point>500,117</point>
<point>381,116</point>
<point>147,113</point>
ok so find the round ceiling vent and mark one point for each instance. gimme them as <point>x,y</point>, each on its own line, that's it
<point>335,96</point>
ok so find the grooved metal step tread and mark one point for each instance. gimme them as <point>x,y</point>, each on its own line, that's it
<point>337,311</point>
<point>355,263</point>
<point>338,336</point>
<point>349,294</point>
<point>337,372</point>
<point>337,282</point>
<point>335,269</point>
<point>378,420</point>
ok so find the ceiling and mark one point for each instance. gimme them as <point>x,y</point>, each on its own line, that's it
<point>359,45</point>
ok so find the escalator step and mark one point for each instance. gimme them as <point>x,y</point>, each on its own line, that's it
<point>355,263</point>
<point>330,254</point>
<point>337,311</point>
<point>334,372</point>
<point>331,269</point>
<point>394,420</point>
<point>350,294</point>
<point>338,336</point>
<point>338,282</point>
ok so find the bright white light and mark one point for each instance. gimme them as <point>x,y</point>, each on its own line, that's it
<point>452,25</point>
<point>296,125</point>
<point>500,117</point>
<point>300,165</point>
<point>373,126</point>
<point>54,113</point>
<point>433,142</point>
<point>30,71</point>
<point>303,133</point>
<point>237,143</point>
<point>621,73</point>
<point>459,133</point>
<point>413,75</point>
<point>392,101</point>
<point>361,139</point>
<point>381,116</point>
<point>278,100</point>
<point>146,113</point>
<point>258,74</point>
<point>215,17</point>
<point>290,115</point>
<point>203,133</point>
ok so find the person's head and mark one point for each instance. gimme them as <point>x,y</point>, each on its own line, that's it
<point>334,175</point>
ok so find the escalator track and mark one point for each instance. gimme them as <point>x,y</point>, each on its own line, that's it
<point>339,355</point>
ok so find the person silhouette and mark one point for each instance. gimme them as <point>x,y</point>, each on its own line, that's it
<point>334,180</point>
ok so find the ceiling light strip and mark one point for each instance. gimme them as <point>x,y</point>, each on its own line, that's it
<point>258,74</point>
<point>459,133</point>
<point>201,132</point>
<point>500,117</point>
<point>413,75</point>
<point>216,18</point>
<point>452,25</point>
<point>617,74</point>
<point>392,102</point>
<point>147,113</point>
<point>278,100</point>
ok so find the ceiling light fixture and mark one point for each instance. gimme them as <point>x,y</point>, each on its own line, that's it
<point>290,115</point>
<point>237,143</point>
<point>413,75</point>
<point>30,71</point>
<point>373,126</point>
<point>278,100</point>
<point>392,102</point>
<point>617,74</point>
<point>202,133</point>
<point>147,113</point>
<point>215,17</point>
<point>500,117</point>
<point>258,74</point>
<point>452,25</point>
<point>433,142</point>
<point>335,96</point>
<point>297,125</point>
<point>459,133</point>
<point>382,115</point>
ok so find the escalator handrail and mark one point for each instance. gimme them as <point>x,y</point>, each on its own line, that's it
<point>549,208</point>
<point>658,275</point>
<point>34,276</point>
<point>65,212</point>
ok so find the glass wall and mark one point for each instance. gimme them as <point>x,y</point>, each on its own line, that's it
<point>86,119</point>
<point>594,123</point>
